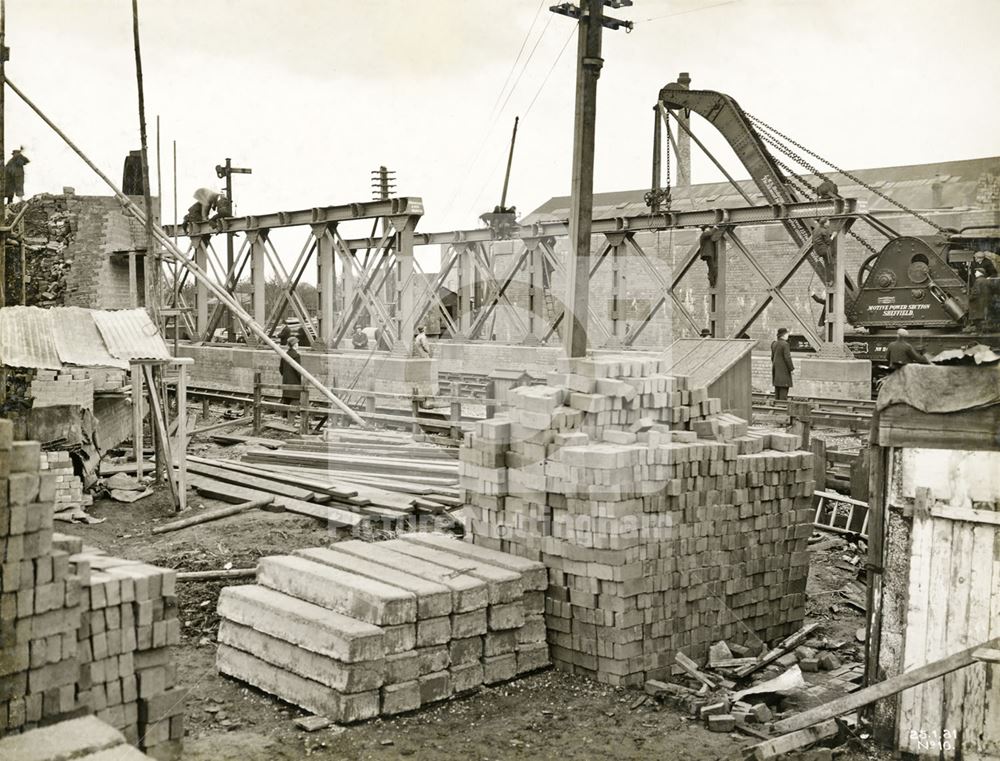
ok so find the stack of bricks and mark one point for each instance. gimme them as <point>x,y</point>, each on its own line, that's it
<point>39,596</point>
<point>50,388</point>
<point>665,524</point>
<point>106,378</point>
<point>359,630</point>
<point>68,487</point>
<point>129,622</point>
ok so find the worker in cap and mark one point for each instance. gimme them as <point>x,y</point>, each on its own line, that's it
<point>14,175</point>
<point>901,352</point>
<point>421,346</point>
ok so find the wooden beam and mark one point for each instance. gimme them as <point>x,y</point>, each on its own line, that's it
<point>793,741</point>
<point>889,687</point>
<point>211,515</point>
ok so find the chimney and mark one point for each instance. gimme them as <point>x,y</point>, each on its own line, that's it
<point>683,141</point>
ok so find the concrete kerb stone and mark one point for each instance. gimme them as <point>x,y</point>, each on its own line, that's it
<point>344,677</point>
<point>301,623</point>
<point>63,741</point>
<point>348,593</point>
<point>503,585</point>
<point>533,573</point>
<point>433,599</point>
<point>468,592</point>
<point>342,708</point>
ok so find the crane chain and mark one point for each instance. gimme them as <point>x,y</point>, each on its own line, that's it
<point>854,178</point>
<point>802,185</point>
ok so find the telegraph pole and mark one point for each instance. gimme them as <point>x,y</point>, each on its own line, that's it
<point>227,172</point>
<point>3,174</point>
<point>588,69</point>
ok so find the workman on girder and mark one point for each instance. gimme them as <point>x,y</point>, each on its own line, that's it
<point>421,346</point>
<point>206,200</point>
<point>827,189</point>
<point>708,252</point>
<point>822,240</point>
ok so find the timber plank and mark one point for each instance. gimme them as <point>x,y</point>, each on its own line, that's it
<point>991,721</point>
<point>980,579</point>
<point>916,623</point>
<point>227,492</point>
<point>251,482</point>
<point>937,646</point>
<point>320,487</point>
<point>957,622</point>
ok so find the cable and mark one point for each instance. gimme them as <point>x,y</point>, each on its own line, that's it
<point>513,66</point>
<point>689,10</point>
<point>526,62</point>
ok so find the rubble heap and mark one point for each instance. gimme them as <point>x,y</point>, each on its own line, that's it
<point>49,228</point>
<point>665,525</point>
<point>359,630</point>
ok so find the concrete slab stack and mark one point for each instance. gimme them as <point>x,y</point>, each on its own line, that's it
<point>68,486</point>
<point>39,596</point>
<point>665,524</point>
<point>357,630</point>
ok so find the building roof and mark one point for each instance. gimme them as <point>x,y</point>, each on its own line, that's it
<point>971,183</point>
<point>705,360</point>
<point>53,338</point>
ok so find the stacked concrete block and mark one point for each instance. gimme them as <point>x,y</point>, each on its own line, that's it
<point>358,630</point>
<point>82,739</point>
<point>53,389</point>
<point>39,596</point>
<point>127,676</point>
<point>67,487</point>
<point>664,523</point>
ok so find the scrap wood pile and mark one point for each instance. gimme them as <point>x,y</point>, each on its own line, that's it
<point>736,690</point>
<point>346,477</point>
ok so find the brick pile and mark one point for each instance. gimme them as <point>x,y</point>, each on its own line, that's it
<point>51,388</point>
<point>358,630</point>
<point>82,739</point>
<point>129,621</point>
<point>40,599</point>
<point>665,524</point>
<point>68,491</point>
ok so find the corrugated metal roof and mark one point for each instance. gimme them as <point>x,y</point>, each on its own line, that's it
<point>131,334</point>
<point>27,338</point>
<point>78,341</point>
<point>50,338</point>
<point>705,360</point>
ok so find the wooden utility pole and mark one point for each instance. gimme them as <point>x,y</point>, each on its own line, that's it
<point>226,172</point>
<point>591,23</point>
<point>151,262</point>
<point>3,174</point>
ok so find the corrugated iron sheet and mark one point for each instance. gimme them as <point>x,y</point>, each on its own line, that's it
<point>78,342</point>
<point>706,360</point>
<point>27,338</point>
<point>130,334</point>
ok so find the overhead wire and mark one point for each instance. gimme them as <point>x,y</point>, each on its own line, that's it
<point>689,10</point>
<point>494,112</point>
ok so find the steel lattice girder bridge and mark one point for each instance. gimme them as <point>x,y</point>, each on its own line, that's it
<point>378,273</point>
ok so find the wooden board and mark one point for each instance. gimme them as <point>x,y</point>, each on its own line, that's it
<point>235,494</point>
<point>317,485</point>
<point>250,481</point>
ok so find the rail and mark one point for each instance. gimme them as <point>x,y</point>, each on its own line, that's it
<point>851,414</point>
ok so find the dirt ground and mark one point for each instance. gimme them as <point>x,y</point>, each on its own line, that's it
<point>543,716</point>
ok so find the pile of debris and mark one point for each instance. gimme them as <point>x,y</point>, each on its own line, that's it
<point>359,630</point>
<point>49,229</point>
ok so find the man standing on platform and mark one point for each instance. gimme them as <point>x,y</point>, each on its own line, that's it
<point>290,377</point>
<point>781,365</point>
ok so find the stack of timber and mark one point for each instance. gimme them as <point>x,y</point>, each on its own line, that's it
<point>358,630</point>
<point>348,478</point>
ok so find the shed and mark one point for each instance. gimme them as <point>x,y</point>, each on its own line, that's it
<point>934,583</point>
<point>723,365</point>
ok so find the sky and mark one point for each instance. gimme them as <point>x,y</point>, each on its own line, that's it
<point>315,94</point>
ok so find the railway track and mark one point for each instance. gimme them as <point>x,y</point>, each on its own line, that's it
<point>852,414</point>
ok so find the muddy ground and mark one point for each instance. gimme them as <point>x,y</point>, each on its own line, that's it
<point>544,716</point>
